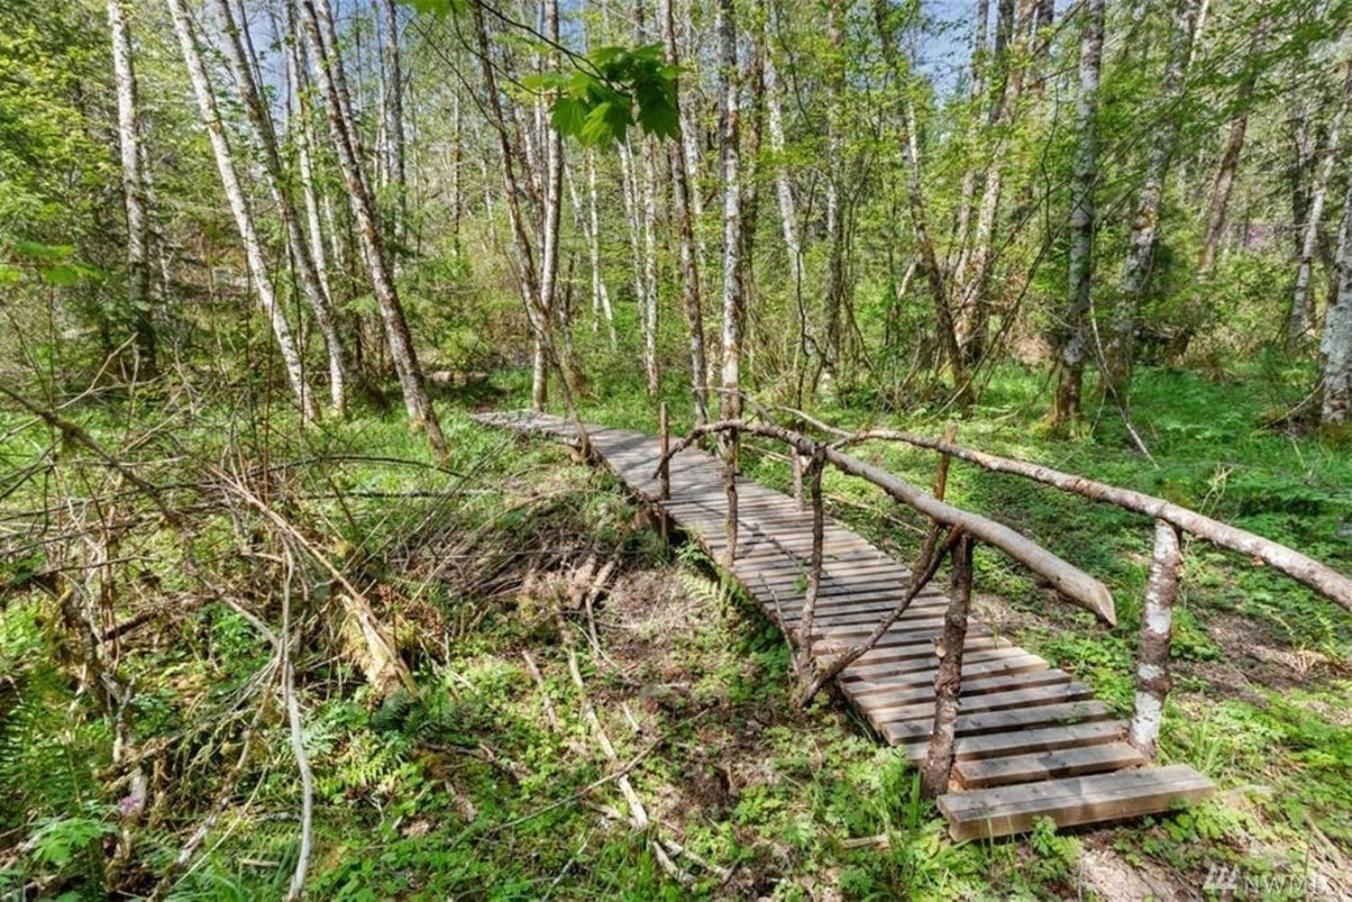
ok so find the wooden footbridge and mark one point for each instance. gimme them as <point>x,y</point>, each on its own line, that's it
<point>1028,741</point>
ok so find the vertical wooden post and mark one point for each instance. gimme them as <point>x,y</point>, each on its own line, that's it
<point>940,488</point>
<point>948,680</point>
<point>814,577</point>
<point>664,469</point>
<point>797,477</point>
<point>1152,655</point>
<point>730,488</point>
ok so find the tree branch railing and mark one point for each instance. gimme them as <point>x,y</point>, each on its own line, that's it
<point>965,529</point>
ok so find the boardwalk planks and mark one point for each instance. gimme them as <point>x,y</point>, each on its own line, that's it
<point>1030,743</point>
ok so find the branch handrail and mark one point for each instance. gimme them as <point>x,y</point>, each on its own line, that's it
<point>1300,567</point>
<point>1071,581</point>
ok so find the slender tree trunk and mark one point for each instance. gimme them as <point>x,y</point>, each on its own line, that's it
<point>981,14</point>
<point>135,195</point>
<point>318,31</point>
<point>948,677</point>
<point>239,207</point>
<point>1219,204</point>
<point>1073,343</point>
<point>788,212</point>
<point>651,308</point>
<point>690,287</point>
<point>263,132</point>
<point>542,323</point>
<point>394,121</point>
<point>549,236</point>
<point>730,403</point>
<point>633,214</point>
<point>1301,318</point>
<point>1152,667</point>
<point>835,221</point>
<point>297,69</point>
<point>753,130</point>
<point>1145,223</point>
<point>972,278</point>
<point>929,258</point>
<point>1335,347</point>
<point>600,295</point>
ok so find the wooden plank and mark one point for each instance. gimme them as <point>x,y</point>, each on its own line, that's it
<point>832,644</point>
<point>993,676</point>
<point>1047,765</point>
<point>882,710</point>
<point>1018,742</point>
<point>902,731</point>
<point>832,607</point>
<point>914,651</point>
<point>1072,800</point>
<point>977,650</point>
<point>861,630</point>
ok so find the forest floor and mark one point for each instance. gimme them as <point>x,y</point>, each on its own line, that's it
<point>485,782</point>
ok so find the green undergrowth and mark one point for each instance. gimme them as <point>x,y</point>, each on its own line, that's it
<point>463,788</point>
<point>1262,664</point>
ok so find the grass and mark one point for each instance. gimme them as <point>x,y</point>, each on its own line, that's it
<point>462,789</point>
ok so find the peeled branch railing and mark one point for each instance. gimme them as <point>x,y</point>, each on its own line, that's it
<point>1069,580</point>
<point>810,456</point>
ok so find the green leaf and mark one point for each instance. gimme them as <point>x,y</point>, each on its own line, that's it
<point>607,122</point>
<point>568,116</point>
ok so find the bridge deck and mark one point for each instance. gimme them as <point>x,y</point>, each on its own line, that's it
<point>1032,742</point>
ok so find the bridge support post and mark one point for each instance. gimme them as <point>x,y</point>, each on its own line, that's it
<point>1152,655</point>
<point>731,442</point>
<point>939,490</point>
<point>948,680</point>
<point>664,472</point>
<point>807,624</point>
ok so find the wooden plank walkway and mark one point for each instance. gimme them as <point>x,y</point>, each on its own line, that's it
<point>1031,741</point>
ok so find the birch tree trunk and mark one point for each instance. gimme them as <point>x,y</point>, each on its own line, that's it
<point>1335,347</point>
<point>648,191</point>
<point>135,194</point>
<point>394,121</point>
<point>629,178</point>
<point>1074,341</point>
<point>972,278</point>
<point>549,234</point>
<point>730,403</point>
<point>835,224</point>
<point>239,206</point>
<point>1152,668</point>
<point>981,15</point>
<point>929,257</point>
<point>542,324</point>
<point>1301,318</point>
<point>303,136</point>
<point>600,294</point>
<point>274,174</point>
<point>1145,222</point>
<point>690,287</point>
<point>788,212</point>
<point>318,33</point>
